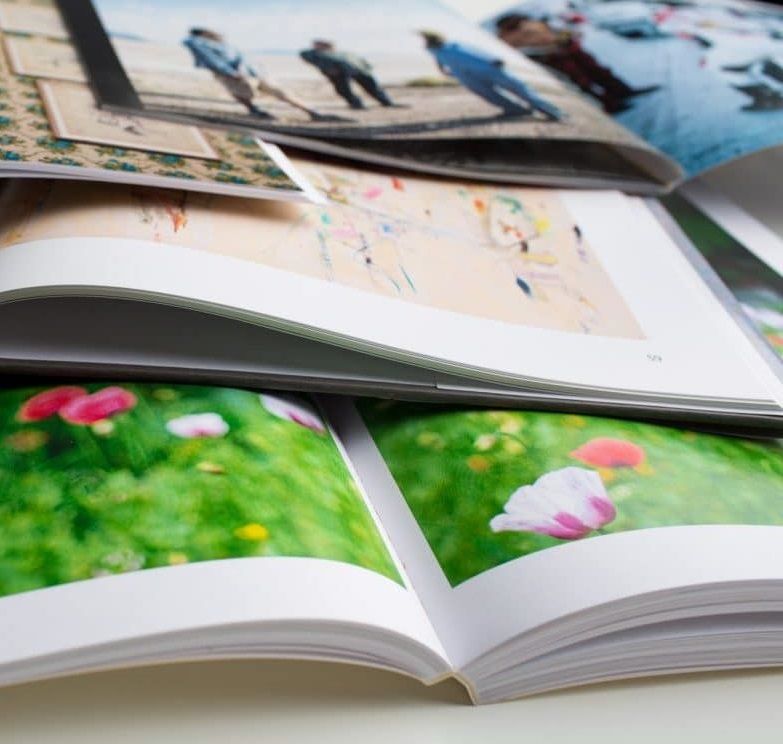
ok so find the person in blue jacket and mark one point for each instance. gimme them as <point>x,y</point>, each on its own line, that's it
<point>211,51</point>
<point>487,77</point>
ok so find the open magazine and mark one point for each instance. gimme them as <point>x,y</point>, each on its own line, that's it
<point>516,551</point>
<point>630,95</point>
<point>401,286</point>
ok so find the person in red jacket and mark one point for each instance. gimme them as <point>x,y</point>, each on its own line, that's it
<point>561,50</point>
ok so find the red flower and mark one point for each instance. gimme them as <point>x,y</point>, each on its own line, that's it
<point>88,409</point>
<point>604,452</point>
<point>49,402</point>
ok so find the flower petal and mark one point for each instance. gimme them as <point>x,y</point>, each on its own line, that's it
<point>605,452</point>
<point>48,402</point>
<point>566,504</point>
<point>197,425</point>
<point>292,408</point>
<point>87,409</point>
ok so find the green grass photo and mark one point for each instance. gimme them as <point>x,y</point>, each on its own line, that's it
<point>99,479</point>
<point>487,487</point>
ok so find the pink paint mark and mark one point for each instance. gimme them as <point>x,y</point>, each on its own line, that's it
<point>373,192</point>
<point>344,233</point>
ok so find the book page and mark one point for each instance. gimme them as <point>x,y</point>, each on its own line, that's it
<point>135,510</point>
<point>746,255</point>
<point>509,519</point>
<point>699,81</point>
<point>557,289</point>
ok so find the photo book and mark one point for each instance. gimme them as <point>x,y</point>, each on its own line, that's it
<point>515,551</point>
<point>394,285</point>
<point>457,386</point>
<point>601,93</point>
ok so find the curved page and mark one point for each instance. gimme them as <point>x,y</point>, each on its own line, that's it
<point>144,515</point>
<point>511,521</point>
<point>559,291</point>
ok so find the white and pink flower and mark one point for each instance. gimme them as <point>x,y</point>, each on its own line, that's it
<point>293,409</point>
<point>567,504</point>
<point>196,425</point>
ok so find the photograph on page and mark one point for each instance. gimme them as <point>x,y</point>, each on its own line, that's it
<point>42,57</point>
<point>332,69</point>
<point>488,486</point>
<point>502,253</point>
<point>110,478</point>
<point>756,285</point>
<point>701,81</point>
<point>32,17</point>
<point>72,114</point>
<point>50,124</point>
<point>543,293</point>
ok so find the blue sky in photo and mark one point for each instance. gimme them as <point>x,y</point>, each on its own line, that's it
<point>286,26</point>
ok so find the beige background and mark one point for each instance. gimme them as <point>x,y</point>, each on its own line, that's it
<point>235,702</point>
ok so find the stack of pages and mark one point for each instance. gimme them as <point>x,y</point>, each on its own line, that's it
<point>479,378</point>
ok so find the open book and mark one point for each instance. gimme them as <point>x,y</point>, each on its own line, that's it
<point>517,551</point>
<point>402,286</point>
<point>689,85</point>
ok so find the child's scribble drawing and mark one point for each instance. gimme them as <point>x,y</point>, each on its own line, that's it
<point>508,254</point>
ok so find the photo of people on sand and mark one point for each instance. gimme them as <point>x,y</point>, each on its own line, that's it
<point>702,81</point>
<point>341,69</point>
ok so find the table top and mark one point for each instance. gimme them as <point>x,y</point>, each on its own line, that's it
<point>323,703</point>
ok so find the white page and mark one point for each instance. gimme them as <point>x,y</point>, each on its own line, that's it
<point>663,348</point>
<point>759,239</point>
<point>203,597</point>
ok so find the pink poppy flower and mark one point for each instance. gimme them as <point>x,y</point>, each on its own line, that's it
<point>566,504</point>
<point>107,402</point>
<point>48,403</point>
<point>198,425</point>
<point>293,409</point>
<point>604,452</point>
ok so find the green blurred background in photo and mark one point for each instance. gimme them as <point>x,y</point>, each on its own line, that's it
<point>457,468</point>
<point>80,501</point>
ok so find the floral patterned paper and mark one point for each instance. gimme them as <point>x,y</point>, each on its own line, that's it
<point>26,136</point>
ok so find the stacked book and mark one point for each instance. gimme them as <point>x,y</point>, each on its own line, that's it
<point>393,338</point>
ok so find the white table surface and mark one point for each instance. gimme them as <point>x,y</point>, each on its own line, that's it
<point>302,702</point>
<point>283,702</point>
